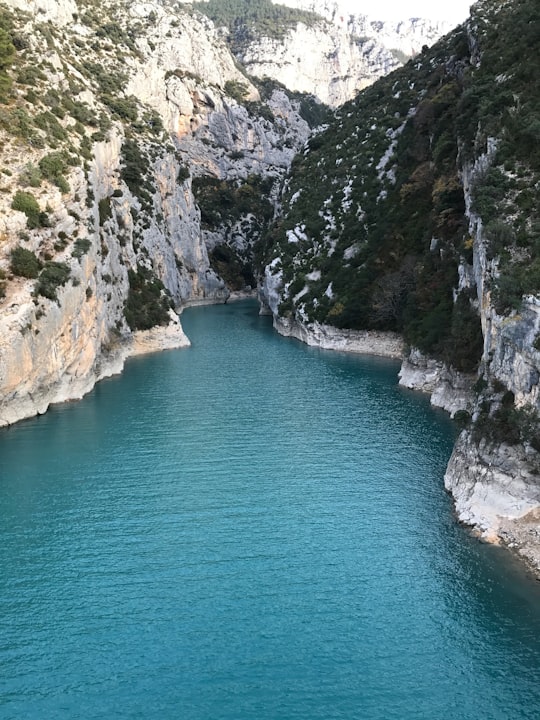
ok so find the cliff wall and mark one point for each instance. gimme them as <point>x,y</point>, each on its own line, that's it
<point>102,146</point>
<point>330,52</point>
<point>425,222</point>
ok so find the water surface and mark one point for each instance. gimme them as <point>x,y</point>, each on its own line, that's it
<point>251,529</point>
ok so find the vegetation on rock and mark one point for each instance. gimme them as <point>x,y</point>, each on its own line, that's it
<point>377,241</point>
<point>147,303</point>
<point>24,263</point>
<point>247,19</point>
<point>53,276</point>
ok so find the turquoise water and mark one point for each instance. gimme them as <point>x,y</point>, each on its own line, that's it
<point>251,529</point>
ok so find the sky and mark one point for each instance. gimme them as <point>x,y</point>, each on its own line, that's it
<point>454,11</point>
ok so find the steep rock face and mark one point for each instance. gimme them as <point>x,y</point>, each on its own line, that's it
<point>408,35</point>
<point>494,484</point>
<point>496,491</point>
<point>448,389</point>
<point>108,211</point>
<point>425,220</point>
<point>324,50</point>
<point>325,60</point>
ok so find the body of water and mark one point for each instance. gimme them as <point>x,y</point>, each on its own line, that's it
<point>250,529</point>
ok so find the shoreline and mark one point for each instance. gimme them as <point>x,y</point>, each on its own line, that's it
<point>327,337</point>
<point>500,522</point>
<point>467,469</point>
<point>71,388</point>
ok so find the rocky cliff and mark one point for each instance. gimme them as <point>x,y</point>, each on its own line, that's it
<point>407,35</point>
<point>323,50</point>
<point>142,171</point>
<point>108,119</point>
<point>425,222</point>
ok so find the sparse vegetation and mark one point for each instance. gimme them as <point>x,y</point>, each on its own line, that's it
<point>24,263</point>
<point>147,303</point>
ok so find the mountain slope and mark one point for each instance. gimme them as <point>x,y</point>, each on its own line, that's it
<point>424,219</point>
<point>107,114</point>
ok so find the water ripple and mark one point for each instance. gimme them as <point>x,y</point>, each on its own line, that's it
<point>251,529</point>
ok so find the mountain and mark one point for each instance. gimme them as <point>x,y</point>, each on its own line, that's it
<point>316,47</point>
<point>140,165</point>
<point>424,220</point>
<point>112,118</point>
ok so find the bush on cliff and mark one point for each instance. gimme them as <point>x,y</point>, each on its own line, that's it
<point>53,276</point>
<point>148,303</point>
<point>24,263</point>
<point>25,202</point>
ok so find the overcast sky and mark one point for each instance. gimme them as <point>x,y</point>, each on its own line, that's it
<point>453,10</point>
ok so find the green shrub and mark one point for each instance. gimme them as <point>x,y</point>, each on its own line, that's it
<point>236,89</point>
<point>104,210</point>
<point>7,54</point>
<point>47,122</point>
<point>30,176</point>
<point>183,174</point>
<point>124,108</point>
<point>80,247</point>
<point>25,202</point>
<point>508,424</point>
<point>24,263</point>
<point>147,303</point>
<point>462,419</point>
<point>53,276</point>
<point>53,167</point>
<point>136,173</point>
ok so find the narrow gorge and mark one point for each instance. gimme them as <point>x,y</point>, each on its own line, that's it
<point>162,155</point>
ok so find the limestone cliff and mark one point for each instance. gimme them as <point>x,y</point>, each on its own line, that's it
<point>100,230</point>
<point>425,222</point>
<point>326,60</point>
<point>327,50</point>
<point>407,35</point>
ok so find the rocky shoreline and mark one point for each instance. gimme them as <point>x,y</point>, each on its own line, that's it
<point>69,387</point>
<point>326,337</point>
<point>496,494</point>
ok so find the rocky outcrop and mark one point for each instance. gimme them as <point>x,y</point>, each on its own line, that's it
<point>496,491</point>
<point>156,339</point>
<point>448,389</point>
<point>327,337</point>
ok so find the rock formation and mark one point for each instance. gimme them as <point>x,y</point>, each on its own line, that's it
<point>97,212</point>
<point>424,221</point>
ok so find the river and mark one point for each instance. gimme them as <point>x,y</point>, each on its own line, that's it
<point>251,529</point>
